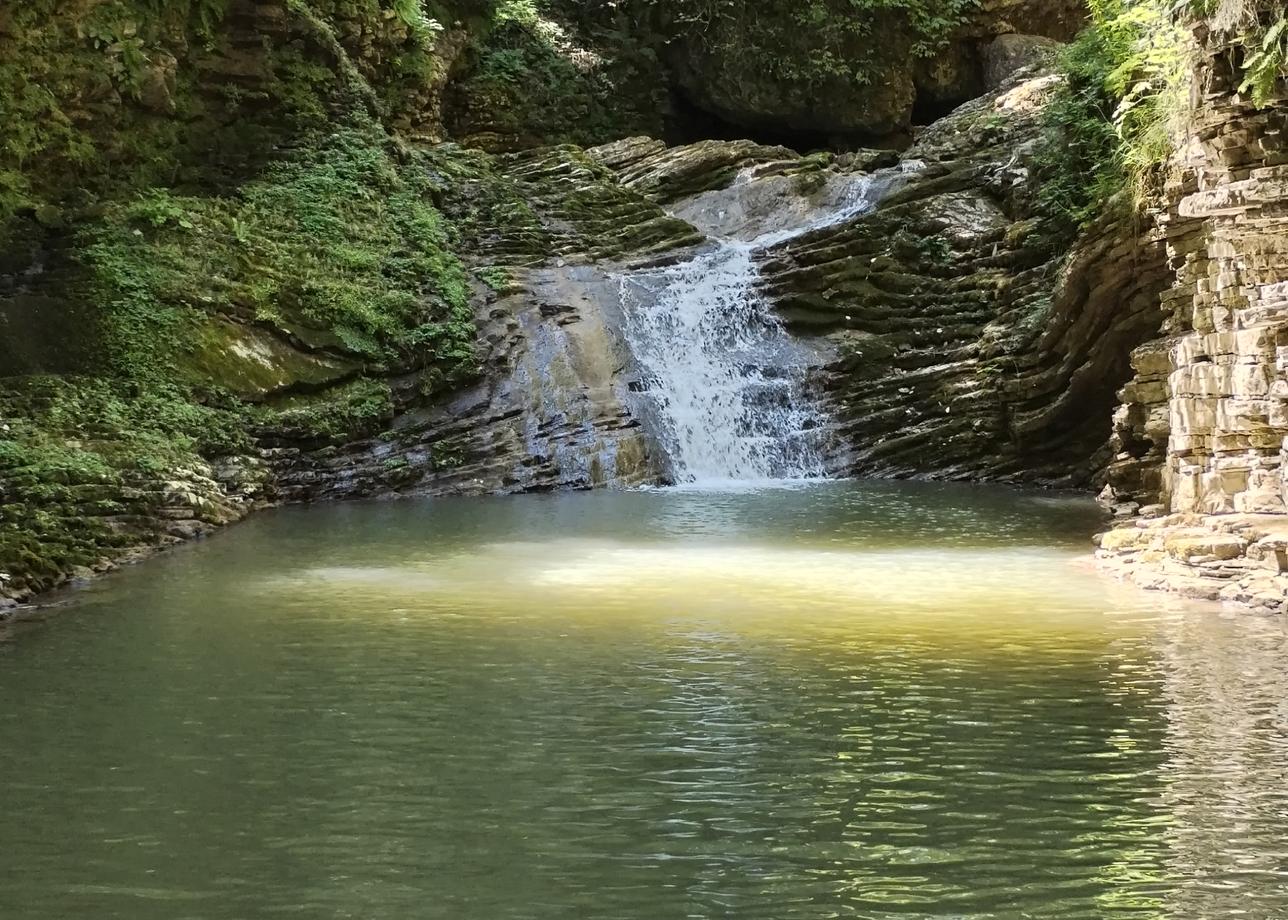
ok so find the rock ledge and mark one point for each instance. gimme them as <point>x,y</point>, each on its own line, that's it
<point>1238,559</point>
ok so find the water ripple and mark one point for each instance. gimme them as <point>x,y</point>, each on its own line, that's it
<point>369,713</point>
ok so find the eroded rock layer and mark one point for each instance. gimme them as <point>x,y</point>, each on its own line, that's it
<point>971,347</point>
<point>1200,436</point>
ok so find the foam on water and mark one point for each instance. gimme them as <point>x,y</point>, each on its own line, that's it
<point>724,382</point>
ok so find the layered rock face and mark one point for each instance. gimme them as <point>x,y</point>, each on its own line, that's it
<point>1209,404</point>
<point>1201,434</point>
<point>553,407</point>
<point>970,348</point>
<point>325,312</point>
<point>549,412</point>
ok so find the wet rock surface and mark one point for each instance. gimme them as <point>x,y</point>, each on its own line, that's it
<point>548,413</point>
<point>972,343</point>
<point>555,405</point>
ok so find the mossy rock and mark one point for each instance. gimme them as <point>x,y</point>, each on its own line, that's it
<point>252,362</point>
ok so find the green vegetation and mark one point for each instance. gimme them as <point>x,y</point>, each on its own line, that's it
<point>229,220</point>
<point>361,408</point>
<point>586,72</point>
<point>926,251</point>
<point>83,461</point>
<point>100,100</point>
<point>339,238</point>
<point>1112,128</point>
<point>532,83</point>
<point>219,235</point>
<point>61,74</point>
<point>1262,30</point>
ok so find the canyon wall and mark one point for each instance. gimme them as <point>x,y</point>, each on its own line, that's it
<point>1203,423</point>
<point>977,339</point>
<point>1201,434</point>
<point>254,267</point>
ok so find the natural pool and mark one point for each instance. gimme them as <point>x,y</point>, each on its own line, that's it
<point>844,700</point>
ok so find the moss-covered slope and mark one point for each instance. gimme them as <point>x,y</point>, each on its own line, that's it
<point>206,209</point>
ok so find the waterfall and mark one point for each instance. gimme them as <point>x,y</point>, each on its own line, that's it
<point>724,384</point>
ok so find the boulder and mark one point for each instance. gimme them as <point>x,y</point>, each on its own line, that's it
<point>733,73</point>
<point>1192,545</point>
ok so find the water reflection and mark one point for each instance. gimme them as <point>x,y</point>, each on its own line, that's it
<point>1225,792</point>
<point>888,701</point>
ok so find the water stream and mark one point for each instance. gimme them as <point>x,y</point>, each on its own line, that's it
<point>725,385</point>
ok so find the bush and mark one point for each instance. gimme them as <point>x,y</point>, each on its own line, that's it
<point>1112,128</point>
<point>1109,130</point>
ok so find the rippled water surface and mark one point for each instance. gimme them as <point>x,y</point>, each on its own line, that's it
<point>852,701</point>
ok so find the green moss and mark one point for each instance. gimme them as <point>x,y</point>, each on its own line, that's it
<point>86,95</point>
<point>251,362</point>
<point>102,99</point>
<point>532,84</point>
<point>79,462</point>
<point>341,239</point>
<point>122,424</point>
<point>252,236</point>
<point>489,212</point>
<point>359,409</point>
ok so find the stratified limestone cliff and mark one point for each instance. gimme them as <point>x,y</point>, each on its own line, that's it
<point>1201,436</point>
<point>1209,405</point>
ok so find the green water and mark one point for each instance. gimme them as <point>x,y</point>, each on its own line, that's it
<point>860,701</point>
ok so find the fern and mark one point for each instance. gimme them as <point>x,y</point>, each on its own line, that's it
<point>1267,65</point>
<point>413,16</point>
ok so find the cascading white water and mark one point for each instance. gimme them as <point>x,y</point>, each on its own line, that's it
<point>724,383</point>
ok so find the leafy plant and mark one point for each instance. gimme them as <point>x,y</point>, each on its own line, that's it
<point>1266,65</point>
<point>1110,128</point>
<point>339,237</point>
<point>1113,127</point>
<point>413,15</point>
